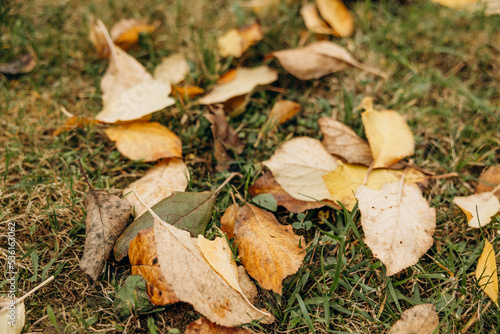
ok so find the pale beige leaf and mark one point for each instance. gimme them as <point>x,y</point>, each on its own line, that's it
<point>492,7</point>
<point>398,224</point>
<point>313,21</point>
<point>12,315</point>
<point>479,208</point>
<point>420,319</point>
<point>172,69</point>
<point>341,140</point>
<point>245,81</point>
<point>236,41</point>
<point>299,165</point>
<point>337,15</point>
<point>486,272</point>
<point>390,137</point>
<point>158,183</point>
<point>269,251</point>
<point>346,178</point>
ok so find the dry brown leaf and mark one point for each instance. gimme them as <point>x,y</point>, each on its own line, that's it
<point>227,220</point>
<point>489,179</point>
<point>337,15</point>
<point>245,81</point>
<point>282,112</point>
<point>299,165</point>
<point>126,32</point>
<point>342,141</point>
<point>145,141</point>
<point>420,319</point>
<point>269,251</point>
<point>158,183</point>
<point>144,260</point>
<point>205,326</point>
<point>12,315</point>
<point>398,224</point>
<point>479,208</point>
<point>236,41</point>
<point>266,184</point>
<point>486,272</point>
<point>172,69</point>
<point>313,21</point>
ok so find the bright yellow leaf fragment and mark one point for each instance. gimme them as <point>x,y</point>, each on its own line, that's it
<point>486,272</point>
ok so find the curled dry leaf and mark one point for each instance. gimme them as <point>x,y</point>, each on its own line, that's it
<point>269,251</point>
<point>299,166</point>
<point>479,208</point>
<point>282,112</point>
<point>313,21</point>
<point>420,319</point>
<point>25,63</point>
<point>236,41</point>
<point>145,141</point>
<point>126,32</point>
<point>486,272</point>
<point>205,326</point>
<point>245,81</point>
<point>489,179</point>
<point>398,224</point>
<point>159,182</point>
<point>12,315</point>
<point>337,15</point>
<point>172,69</point>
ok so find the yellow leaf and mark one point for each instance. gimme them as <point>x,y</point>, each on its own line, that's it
<point>337,15</point>
<point>236,41</point>
<point>479,208</point>
<point>126,32</point>
<point>313,21</point>
<point>486,272</point>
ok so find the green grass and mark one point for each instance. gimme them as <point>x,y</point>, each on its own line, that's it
<point>445,79</point>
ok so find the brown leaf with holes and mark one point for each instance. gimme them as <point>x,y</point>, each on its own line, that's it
<point>489,179</point>
<point>205,326</point>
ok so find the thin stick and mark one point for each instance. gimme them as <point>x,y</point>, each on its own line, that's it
<point>32,291</point>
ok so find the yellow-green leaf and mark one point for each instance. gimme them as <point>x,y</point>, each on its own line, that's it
<point>486,272</point>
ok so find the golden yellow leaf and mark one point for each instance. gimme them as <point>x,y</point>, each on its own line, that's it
<point>337,15</point>
<point>189,92</point>
<point>126,32</point>
<point>172,69</point>
<point>261,7</point>
<point>145,141</point>
<point>236,41</point>
<point>479,208</point>
<point>486,272</point>
<point>420,319</point>
<point>313,21</point>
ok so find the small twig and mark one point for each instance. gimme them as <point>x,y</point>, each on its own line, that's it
<point>32,291</point>
<point>226,181</point>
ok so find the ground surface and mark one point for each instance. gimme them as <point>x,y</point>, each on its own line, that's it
<point>444,70</point>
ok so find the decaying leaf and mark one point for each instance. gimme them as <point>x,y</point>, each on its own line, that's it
<point>145,141</point>
<point>486,272</point>
<point>269,251</point>
<point>22,65</point>
<point>343,181</point>
<point>107,216</point>
<point>337,15</point>
<point>126,32</point>
<point>390,137</point>
<point>299,165</point>
<point>489,179</point>
<point>398,224</point>
<point>281,112</point>
<point>313,21</point>
<point>144,260</point>
<point>132,297</point>
<point>479,208</point>
<point>172,69</point>
<point>319,59</point>
<point>236,41</point>
<point>266,184</point>
<point>342,141</point>
<point>12,315</point>
<point>205,326</point>
<point>158,183</point>
<point>227,220</point>
<point>245,81</point>
<point>420,319</point>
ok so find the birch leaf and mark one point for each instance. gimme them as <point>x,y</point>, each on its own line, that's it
<point>479,208</point>
<point>420,319</point>
<point>486,272</point>
<point>337,15</point>
<point>398,224</point>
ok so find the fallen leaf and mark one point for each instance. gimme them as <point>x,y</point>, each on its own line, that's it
<point>489,179</point>
<point>491,7</point>
<point>132,297</point>
<point>457,4</point>
<point>236,41</point>
<point>236,106</point>
<point>172,69</point>
<point>12,315</point>
<point>107,216</point>
<point>269,251</point>
<point>189,92</point>
<point>266,184</point>
<point>420,319</point>
<point>205,326</point>
<point>25,63</point>
<point>227,220</point>
<point>189,211</point>
<point>299,165</point>
<point>319,59</point>
<point>390,137</point>
<point>343,181</point>
<point>337,15</point>
<point>281,112</point>
<point>144,260</point>
<point>73,123</point>
<point>479,208</point>
<point>158,183</point>
<point>313,21</point>
<point>261,7</point>
<point>126,32</point>
<point>340,140</point>
<point>246,80</point>
<point>145,141</point>
<point>398,224</point>
<point>486,272</point>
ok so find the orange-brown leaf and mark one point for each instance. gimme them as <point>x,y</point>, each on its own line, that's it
<point>205,326</point>
<point>236,41</point>
<point>72,123</point>
<point>227,220</point>
<point>187,91</point>
<point>489,179</point>
<point>126,32</point>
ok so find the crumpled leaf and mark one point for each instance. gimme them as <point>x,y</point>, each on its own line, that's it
<point>420,319</point>
<point>342,141</point>
<point>126,32</point>
<point>313,21</point>
<point>319,59</point>
<point>281,112</point>
<point>486,272</point>
<point>398,224</point>
<point>337,15</point>
<point>343,181</point>
<point>479,208</point>
<point>205,326</point>
<point>266,184</point>
<point>245,81</point>
<point>390,137</point>
<point>158,183</point>
<point>145,141</point>
<point>144,260</point>
<point>132,297</point>
<point>269,251</point>
<point>489,179</point>
<point>236,41</point>
<point>299,165</point>
<point>25,63</point>
<point>107,216</point>
<point>189,211</point>
<point>12,315</point>
<point>172,69</point>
